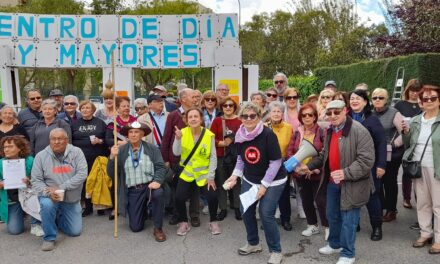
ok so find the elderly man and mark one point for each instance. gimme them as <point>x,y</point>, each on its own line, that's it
<point>58,174</point>
<point>70,113</point>
<point>58,96</point>
<point>31,114</point>
<point>161,90</point>
<point>141,174</point>
<point>222,91</point>
<point>331,85</point>
<point>155,119</point>
<point>175,119</point>
<point>345,163</point>
<point>280,83</point>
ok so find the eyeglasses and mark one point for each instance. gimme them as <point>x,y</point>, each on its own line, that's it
<point>326,97</point>
<point>139,108</point>
<point>277,82</point>
<point>271,95</point>
<point>35,98</point>
<point>211,99</point>
<point>334,112</point>
<point>228,106</point>
<point>248,117</point>
<point>430,99</point>
<point>307,115</point>
<point>375,98</point>
<point>69,103</point>
<point>292,97</point>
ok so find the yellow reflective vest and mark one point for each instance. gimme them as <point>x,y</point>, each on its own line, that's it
<point>198,166</point>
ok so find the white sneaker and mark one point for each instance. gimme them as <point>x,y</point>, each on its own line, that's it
<point>327,250</point>
<point>301,213</point>
<point>205,210</point>
<point>311,230</point>
<point>248,249</point>
<point>37,230</point>
<point>275,258</point>
<point>327,233</point>
<point>183,228</point>
<point>345,260</point>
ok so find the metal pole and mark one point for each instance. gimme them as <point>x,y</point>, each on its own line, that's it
<point>239,15</point>
<point>115,138</point>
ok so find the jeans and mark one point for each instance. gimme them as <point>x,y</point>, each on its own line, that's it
<point>268,206</point>
<point>15,224</point>
<point>54,215</point>
<point>138,206</point>
<point>343,224</point>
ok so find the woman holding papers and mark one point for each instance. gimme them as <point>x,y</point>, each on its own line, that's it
<point>259,164</point>
<point>13,148</point>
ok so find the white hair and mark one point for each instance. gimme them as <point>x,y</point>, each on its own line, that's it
<point>67,97</point>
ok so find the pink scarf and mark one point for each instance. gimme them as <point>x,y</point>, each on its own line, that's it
<point>242,135</point>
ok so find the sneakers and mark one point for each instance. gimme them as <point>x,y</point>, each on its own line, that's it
<point>311,230</point>
<point>275,258</point>
<point>48,246</point>
<point>183,228</point>
<point>327,250</point>
<point>326,233</point>
<point>37,230</point>
<point>205,210</point>
<point>215,228</point>
<point>345,260</point>
<point>248,249</point>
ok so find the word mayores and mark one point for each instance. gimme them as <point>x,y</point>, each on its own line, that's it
<point>137,41</point>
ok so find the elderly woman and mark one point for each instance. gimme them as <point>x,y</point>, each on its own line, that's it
<point>309,130</point>
<point>259,164</point>
<point>224,129</point>
<point>39,136</point>
<point>140,106</point>
<point>122,119</point>
<point>8,125</point>
<point>422,139</point>
<point>325,97</point>
<point>272,95</point>
<point>209,107</point>
<point>409,107</point>
<point>360,110</point>
<point>260,99</point>
<point>11,212</point>
<point>283,131</point>
<point>106,114</point>
<point>391,120</point>
<point>196,147</point>
<point>70,114</point>
<point>89,134</point>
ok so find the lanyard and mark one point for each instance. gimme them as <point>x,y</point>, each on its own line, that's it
<point>136,160</point>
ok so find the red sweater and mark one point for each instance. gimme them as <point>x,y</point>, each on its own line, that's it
<point>334,160</point>
<point>217,129</point>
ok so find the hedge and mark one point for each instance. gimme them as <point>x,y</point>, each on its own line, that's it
<point>306,85</point>
<point>382,72</point>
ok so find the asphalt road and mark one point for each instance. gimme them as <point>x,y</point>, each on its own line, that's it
<point>97,245</point>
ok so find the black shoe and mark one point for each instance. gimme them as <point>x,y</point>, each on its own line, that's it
<point>287,226</point>
<point>195,222</point>
<point>101,212</point>
<point>111,217</point>
<point>222,215</point>
<point>415,226</point>
<point>376,235</point>
<point>87,212</point>
<point>238,214</point>
<point>174,220</point>
<point>358,228</point>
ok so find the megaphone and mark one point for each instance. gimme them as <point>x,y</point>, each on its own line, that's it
<point>306,150</point>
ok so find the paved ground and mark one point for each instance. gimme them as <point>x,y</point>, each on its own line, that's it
<point>97,245</point>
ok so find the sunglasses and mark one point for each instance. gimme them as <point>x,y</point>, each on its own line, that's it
<point>248,117</point>
<point>69,103</point>
<point>211,99</point>
<point>228,106</point>
<point>271,95</point>
<point>375,98</point>
<point>139,108</point>
<point>277,82</point>
<point>326,97</point>
<point>430,99</point>
<point>334,112</point>
<point>307,115</point>
<point>292,97</point>
<point>35,98</point>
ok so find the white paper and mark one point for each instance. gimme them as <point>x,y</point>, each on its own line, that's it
<point>249,198</point>
<point>13,173</point>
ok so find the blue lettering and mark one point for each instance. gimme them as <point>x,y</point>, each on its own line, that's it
<point>108,52</point>
<point>91,26</point>
<point>170,52</point>
<point>209,27</point>
<point>46,21</point>
<point>149,24</point>
<point>229,26</point>
<point>66,24</point>
<point>186,22</point>
<point>25,52</point>
<point>27,26</point>
<point>149,53</point>
<point>125,22</point>
<point>5,27</point>
<point>134,57</point>
<point>67,53</point>
<point>88,54</point>
<point>190,50</point>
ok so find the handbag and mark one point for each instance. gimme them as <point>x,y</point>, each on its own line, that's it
<point>181,167</point>
<point>413,169</point>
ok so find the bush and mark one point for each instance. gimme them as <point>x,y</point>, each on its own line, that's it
<point>306,85</point>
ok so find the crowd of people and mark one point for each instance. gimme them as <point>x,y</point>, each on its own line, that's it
<point>206,148</point>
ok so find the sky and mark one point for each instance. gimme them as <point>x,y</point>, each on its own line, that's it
<point>368,10</point>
